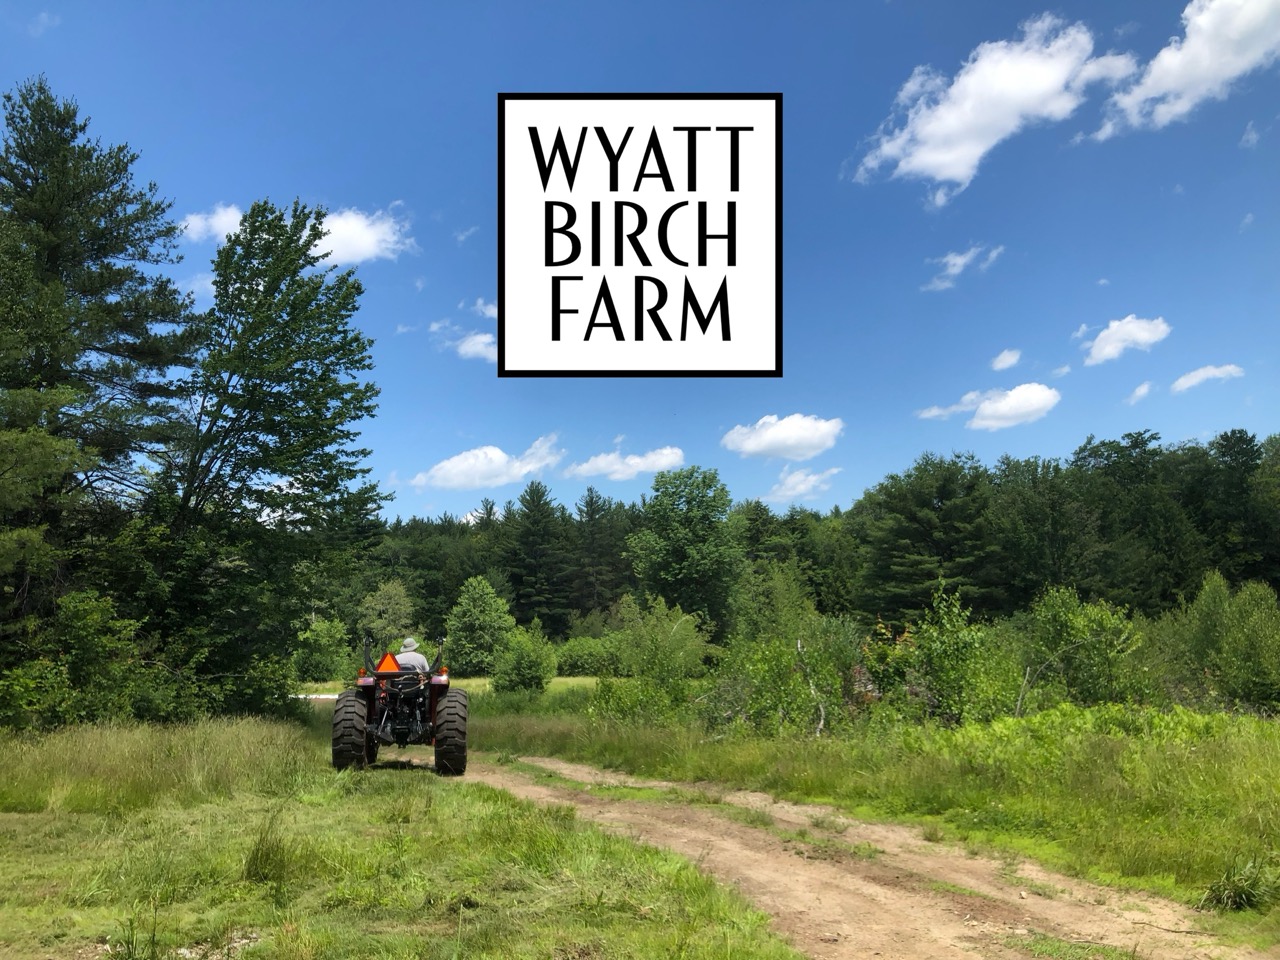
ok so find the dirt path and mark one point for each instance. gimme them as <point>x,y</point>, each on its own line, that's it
<point>844,888</point>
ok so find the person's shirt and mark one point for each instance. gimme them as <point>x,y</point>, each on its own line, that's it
<point>413,660</point>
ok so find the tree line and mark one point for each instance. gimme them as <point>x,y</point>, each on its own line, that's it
<point>185,517</point>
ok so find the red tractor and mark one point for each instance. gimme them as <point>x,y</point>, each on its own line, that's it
<point>391,705</point>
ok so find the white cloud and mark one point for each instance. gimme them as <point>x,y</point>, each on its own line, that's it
<point>462,236</point>
<point>223,219</point>
<point>420,284</point>
<point>998,409</point>
<point>991,258</point>
<point>617,467</point>
<point>356,236</point>
<point>1080,331</point>
<point>1197,377</point>
<point>1139,392</point>
<point>490,467</point>
<point>405,328</point>
<point>953,264</point>
<point>487,310</point>
<point>942,129</point>
<point>797,437</point>
<point>1006,359</point>
<point>1223,40</point>
<point>1121,335</point>
<point>42,22</point>
<point>1104,282</point>
<point>468,344</point>
<point>1249,138</point>
<point>1062,371</point>
<point>1244,224</point>
<point>478,346</point>
<point>800,484</point>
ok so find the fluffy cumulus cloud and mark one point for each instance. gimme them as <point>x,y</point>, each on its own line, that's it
<point>797,437</point>
<point>942,128</point>
<point>1223,40</point>
<point>490,466</point>
<point>998,409</point>
<point>615,466</point>
<point>487,310</point>
<point>478,346</point>
<point>800,484</point>
<point>353,235</point>
<point>467,344</point>
<point>1120,335</point>
<point>1006,359</point>
<point>356,236</point>
<point>224,218</point>
<point>1199,376</point>
<point>1139,392</point>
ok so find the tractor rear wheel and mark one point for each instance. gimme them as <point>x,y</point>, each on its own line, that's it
<point>351,739</point>
<point>451,733</point>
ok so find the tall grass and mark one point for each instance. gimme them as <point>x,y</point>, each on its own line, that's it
<point>117,768</point>
<point>207,839</point>
<point>1168,801</point>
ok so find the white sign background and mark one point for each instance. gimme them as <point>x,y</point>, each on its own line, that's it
<point>525,331</point>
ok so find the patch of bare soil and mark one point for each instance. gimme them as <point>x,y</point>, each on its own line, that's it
<point>845,888</point>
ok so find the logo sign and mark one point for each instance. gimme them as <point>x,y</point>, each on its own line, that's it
<point>639,235</point>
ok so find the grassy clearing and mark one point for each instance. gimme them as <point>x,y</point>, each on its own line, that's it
<point>1126,797</point>
<point>238,832</point>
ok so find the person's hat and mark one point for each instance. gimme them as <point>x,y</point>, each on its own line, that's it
<point>409,645</point>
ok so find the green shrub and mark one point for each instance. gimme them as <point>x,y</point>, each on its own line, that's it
<point>633,700</point>
<point>477,627</point>
<point>1089,648</point>
<point>323,651</point>
<point>525,661</point>
<point>586,656</point>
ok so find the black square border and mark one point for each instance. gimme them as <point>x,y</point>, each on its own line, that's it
<point>777,332</point>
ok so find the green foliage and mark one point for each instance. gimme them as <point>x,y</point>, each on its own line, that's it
<point>1086,648</point>
<point>947,647</point>
<point>685,551</point>
<point>107,324</point>
<point>1222,647</point>
<point>324,651</point>
<point>1248,883</point>
<point>477,627</point>
<point>633,700</point>
<point>272,403</point>
<point>786,667</point>
<point>928,524</point>
<point>386,614</point>
<point>525,661</point>
<point>586,656</point>
<point>658,642</point>
<point>537,559</point>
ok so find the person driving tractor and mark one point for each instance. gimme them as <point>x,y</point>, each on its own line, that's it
<point>410,659</point>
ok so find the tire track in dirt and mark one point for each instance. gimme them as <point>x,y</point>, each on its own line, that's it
<point>910,900</point>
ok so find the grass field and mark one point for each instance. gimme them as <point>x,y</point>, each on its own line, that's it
<point>236,838</point>
<point>1179,804</point>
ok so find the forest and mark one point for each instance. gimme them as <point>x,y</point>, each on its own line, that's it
<point>187,527</point>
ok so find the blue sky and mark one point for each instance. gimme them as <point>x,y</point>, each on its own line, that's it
<point>1006,226</point>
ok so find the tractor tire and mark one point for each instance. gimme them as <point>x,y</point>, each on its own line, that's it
<point>451,734</point>
<point>351,736</point>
